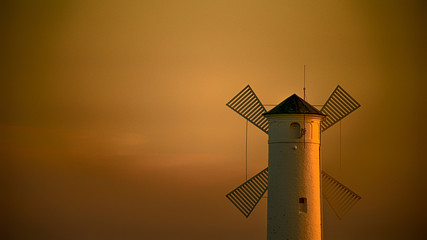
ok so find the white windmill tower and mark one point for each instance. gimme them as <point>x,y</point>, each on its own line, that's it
<point>294,176</point>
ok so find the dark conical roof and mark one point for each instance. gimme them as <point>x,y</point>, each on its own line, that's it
<point>294,105</point>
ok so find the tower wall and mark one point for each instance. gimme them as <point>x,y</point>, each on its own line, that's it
<point>294,207</point>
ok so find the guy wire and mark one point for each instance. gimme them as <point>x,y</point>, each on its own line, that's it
<point>340,151</point>
<point>246,151</point>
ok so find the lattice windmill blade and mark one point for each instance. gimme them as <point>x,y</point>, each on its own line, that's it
<point>246,196</point>
<point>338,106</point>
<point>339,197</point>
<point>247,104</point>
<point>289,217</point>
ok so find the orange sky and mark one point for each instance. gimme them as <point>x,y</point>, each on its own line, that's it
<point>114,126</point>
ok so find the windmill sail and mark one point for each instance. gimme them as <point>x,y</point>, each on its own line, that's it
<point>340,198</point>
<point>338,106</point>
<point>247,104</point>
<point>246,196</point>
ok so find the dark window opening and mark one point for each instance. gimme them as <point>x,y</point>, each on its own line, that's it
<point>303,205</point>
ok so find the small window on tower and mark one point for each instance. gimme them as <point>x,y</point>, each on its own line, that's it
<point>303,205</point>
<point>294,130</point>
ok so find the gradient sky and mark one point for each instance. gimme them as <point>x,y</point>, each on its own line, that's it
<point>113,122</point>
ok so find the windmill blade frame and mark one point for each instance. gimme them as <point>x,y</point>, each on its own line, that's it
<point>247,104</point>
<point>339,197</point>
<point>246,196</point>
<point>339,105</point>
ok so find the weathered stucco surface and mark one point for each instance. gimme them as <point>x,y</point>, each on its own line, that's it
<point>294,173</point>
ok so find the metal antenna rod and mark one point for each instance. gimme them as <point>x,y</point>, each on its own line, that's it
<point>304,82</point>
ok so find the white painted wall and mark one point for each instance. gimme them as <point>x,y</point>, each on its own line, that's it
<point>294,173</point>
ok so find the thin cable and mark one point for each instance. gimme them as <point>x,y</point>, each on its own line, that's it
<point>303,131</point>
<point>246,151</point>
<point>321,184</point>
<point>340,151</point>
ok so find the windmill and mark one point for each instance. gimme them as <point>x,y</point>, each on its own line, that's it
<point>294,176</point>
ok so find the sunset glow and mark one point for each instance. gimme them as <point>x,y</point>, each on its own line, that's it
<point>114,126</point>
